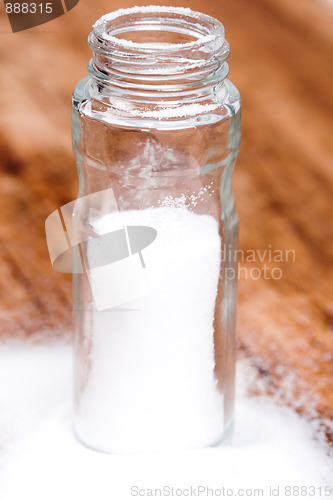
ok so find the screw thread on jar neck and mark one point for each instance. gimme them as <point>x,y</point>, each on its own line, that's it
<point>154,53</point>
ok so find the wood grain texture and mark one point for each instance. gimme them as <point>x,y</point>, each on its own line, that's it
<point>281,61</point>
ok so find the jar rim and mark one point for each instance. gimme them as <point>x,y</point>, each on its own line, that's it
<point>214,35</point>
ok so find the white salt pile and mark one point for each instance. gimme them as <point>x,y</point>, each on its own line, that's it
<point>151,384</point>
<point>41,459</point>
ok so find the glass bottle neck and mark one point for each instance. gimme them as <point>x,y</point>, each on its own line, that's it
<point>153,54</point>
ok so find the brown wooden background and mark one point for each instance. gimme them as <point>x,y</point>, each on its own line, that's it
<point>282,62</point>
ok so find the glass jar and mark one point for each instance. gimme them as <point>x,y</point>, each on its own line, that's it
<point>156,131</point>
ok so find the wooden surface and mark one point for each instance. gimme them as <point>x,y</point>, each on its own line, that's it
<point>281,61</point>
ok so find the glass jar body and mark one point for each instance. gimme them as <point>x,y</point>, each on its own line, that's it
<point>155,326</point>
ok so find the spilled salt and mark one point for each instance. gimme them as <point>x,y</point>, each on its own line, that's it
<point>41,459</point>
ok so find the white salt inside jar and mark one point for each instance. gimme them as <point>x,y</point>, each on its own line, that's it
<point>151,386</point>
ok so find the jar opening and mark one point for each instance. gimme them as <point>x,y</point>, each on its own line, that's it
<point>156,28</point>
<point>153,35</point>
<point>157,52</point>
